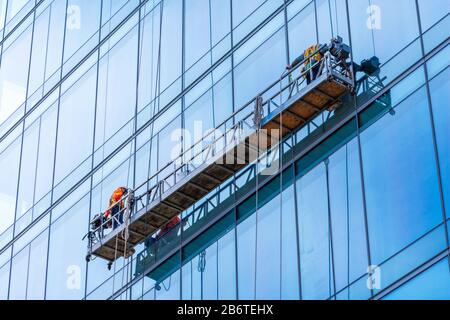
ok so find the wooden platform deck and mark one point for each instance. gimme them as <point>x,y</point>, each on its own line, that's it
<point>321,94</point>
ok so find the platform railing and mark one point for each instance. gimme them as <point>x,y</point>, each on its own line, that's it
<point>232,131</point>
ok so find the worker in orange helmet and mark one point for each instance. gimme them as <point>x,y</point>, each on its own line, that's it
<point>311,57</point>
<point>116,207</point>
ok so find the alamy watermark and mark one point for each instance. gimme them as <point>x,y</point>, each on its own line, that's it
<point>374,277</point>
<point>374,20</point>
<point>73,17</point>
<point>73,281</point>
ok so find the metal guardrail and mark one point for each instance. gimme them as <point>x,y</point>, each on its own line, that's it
<point>227,135</point>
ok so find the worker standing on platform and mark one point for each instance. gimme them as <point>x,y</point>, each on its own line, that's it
<point>116,207</point>
<point>311,58</point>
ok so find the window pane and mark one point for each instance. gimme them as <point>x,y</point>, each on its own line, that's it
<point>14,7</point>
<point>440,98</point>
<point>171,42</point>
<point>18,285</point>
<point>83,20</point>
<point>28,169</point>
<point>268,257</point>
<point>432,284</point>
<point>270,52</point>
<point>401,192</point>
<point>197,30</point>
<point>289,247</point>
<point>227,266</point>
<point>38,267</point>
<point>55,38</point>
<point>77,103</point>
<point>315,258</point>
<point>246,239</point>
<point>9,158</point>
<point>431,11</point>
<point>381,27</point>
<point>4,281</point>
<point>46,152</point>
<point>66,269</point>
<point>170,288</point>
<point>117,88</point>
<point>148,62</point>
<point>332,20</point>
<point>14,75</point>
<point>38,51</point>
<point>299,40</point>
<point>347,215</point>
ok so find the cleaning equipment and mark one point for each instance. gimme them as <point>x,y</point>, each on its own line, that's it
<point>200,169</point>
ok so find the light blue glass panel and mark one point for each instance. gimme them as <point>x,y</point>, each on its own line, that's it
<point>440,61</point>
<point>431,11</point>
<point>197,30</point>
<point>302,31</point>
<point>116,98</point>
<point>148,63</point>
<point>170,288</point>
<point>267,53</point>
<point>19,271</point>
<point>9,158</point>
<point>66,268</point>
<point>83,20</point>
<point>38,52</point>
<point>45,159</point>
<point>314,237</point>
<point>440,99</point>
<point>4,281</point>
<point>76,124</point>
<point>14,74</point>
<point>56,39</point>
<point>432,284</point>
<point>14,7</point>
<point>38,267</point>
<point>289,247</point>
<point>171,41</point>
<point>332,20</point>
<point>248,14</point>
<point>381,27</point>
<point>246,240</point>
<point>400,177</point>
<point>268,253</point>
<point>347,215</point>
<point>226,251</point>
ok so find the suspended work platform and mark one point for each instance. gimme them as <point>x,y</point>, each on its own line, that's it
<point>261,124</point>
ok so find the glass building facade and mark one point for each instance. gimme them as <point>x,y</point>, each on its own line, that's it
<point>90,92</point>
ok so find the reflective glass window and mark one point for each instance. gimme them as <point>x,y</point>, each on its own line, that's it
<point>314,236</point>
<point>66,268</point>
<point>14,74</point>
<point>402,193</point>
<point>75,125</point>
<point>9,158</point>
<point>83,20</point>
<point>431,284</point>
<point>440,98</point>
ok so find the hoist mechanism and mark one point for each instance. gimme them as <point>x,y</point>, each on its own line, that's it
<point>286,105</point>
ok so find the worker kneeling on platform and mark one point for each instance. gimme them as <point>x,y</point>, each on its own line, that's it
<point>150,241</point>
